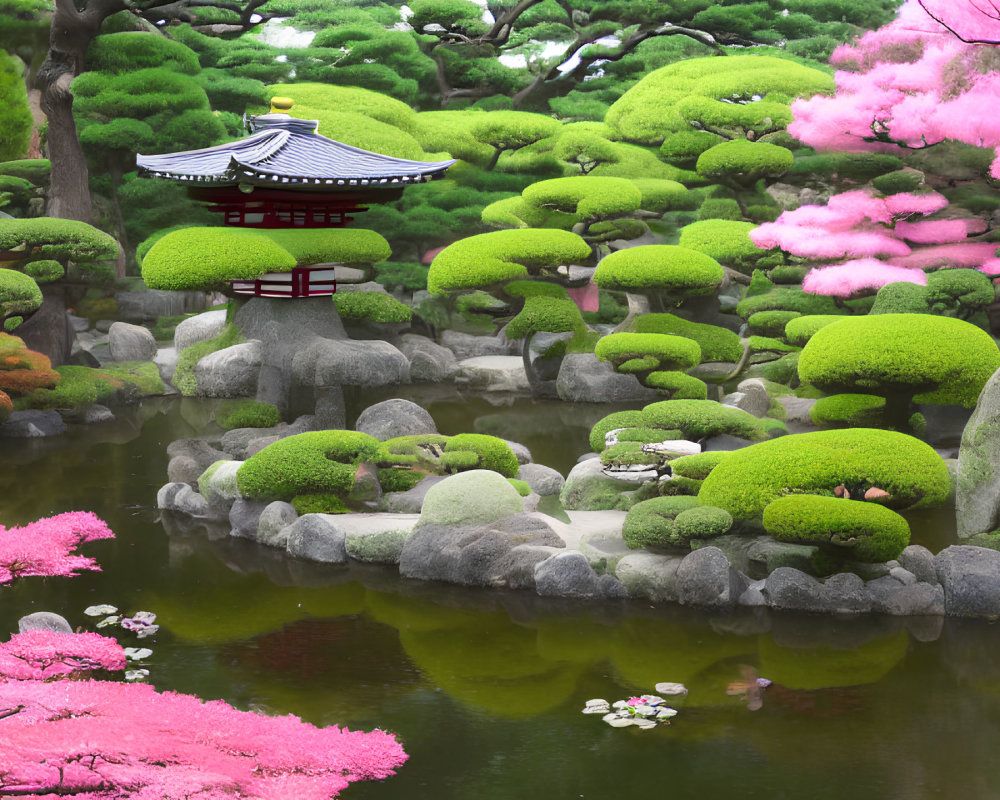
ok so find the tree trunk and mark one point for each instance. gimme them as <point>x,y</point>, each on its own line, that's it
<point>898,411</point>
<point>638,304</point>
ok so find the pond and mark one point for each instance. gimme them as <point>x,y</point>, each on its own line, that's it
<point>484,688</point>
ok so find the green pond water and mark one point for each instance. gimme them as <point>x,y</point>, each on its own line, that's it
<point>484,688</point>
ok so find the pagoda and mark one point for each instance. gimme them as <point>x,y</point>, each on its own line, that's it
<point>286,175</point>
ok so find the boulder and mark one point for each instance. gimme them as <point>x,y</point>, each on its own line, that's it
<point>495,373</point>
<point>587,488</point>
<point>166,494</point>
<point>543,480</point>
<point>230,372</point>
<point>131,342</point>
<point>521,453</point>
<point>244,517</point>
<point>410,501</point>
<point>705,578</point>
<point>392,418</point>
<point>890,595</point>
<point>919,561</point>
<point>789,589</point>
<point>345,362</point>
<point>96,413</point>
<point>217,485</point>
<point>187,501</point>
<point>429,361</point>
<point>148,305</point>
<point>33,424</point>
<point>316,537</point>
<point>467,345</point>
<point>502,553</point>
<point>189,458</point>
<point>970,577</point>
<point>469,498</point>
<point>569,574</point>
<point>797,409</point>
<point>750,396</point>
<point>649,576</point>
<point>584,379</point>
<point>275,519</point>
<point>200,328</point>
<point>166,363</point>
<point>977,501</point>
<point>377,547</point>
<point>44,621</point>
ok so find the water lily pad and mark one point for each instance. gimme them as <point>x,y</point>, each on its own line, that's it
<point>671,689</point>
<point>96,611</point>
<point>137,653</point>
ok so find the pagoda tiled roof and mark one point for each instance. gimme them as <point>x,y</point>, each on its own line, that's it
<point>287,152</point>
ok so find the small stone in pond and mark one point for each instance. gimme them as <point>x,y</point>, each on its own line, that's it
<point>644,724</point>
<point>671,689</point>
<point>597,701</point>
<point>620,722</point>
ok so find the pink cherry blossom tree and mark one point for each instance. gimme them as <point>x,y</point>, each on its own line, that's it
<point>45,547</point>
<point>925,77</point>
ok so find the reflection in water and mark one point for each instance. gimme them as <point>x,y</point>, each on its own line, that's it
<point>485,687</point>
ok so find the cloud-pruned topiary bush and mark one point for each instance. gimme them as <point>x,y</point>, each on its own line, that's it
<point>747,480</point>
<point>725,240</point>
<point>672,522</point>
<point>716,343</point>
<point>698,419</point>
<point>19,295</point>
<point>847,529</point>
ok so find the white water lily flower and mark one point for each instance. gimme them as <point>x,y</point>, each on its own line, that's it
<point>137,653</point>
<point>644,724</point>
<point>666,713</point>
<point>597,701</point>
<point>96,611</point>
<point>107,621</point>
<point>619,704</point>
<point>145,617</point>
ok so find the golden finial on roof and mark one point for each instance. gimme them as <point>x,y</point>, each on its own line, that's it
<point>281,105</point>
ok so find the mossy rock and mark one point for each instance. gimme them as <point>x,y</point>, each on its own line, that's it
<point>613,421</point>
<point>371,307</point>
<point>318,462</point>
<point>702,418</point>
<point>771,323</point>
<point>747,480</point>
<point>653,523</point>
<point>667,268</point>
<point>477,496</point>
<point>233,414</point>
<point>848,410</point>
<point>849,529</point>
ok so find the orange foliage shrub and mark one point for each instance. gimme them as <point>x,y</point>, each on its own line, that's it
<point>23,370</point>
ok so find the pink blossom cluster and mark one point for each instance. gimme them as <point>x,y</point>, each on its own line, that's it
<point>99,740</point>
<point>854,278</point>
<point>41,655</point>
<point>915,83</point>
<point>45,547</point>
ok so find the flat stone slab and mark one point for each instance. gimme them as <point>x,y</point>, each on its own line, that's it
<point>495,373</point>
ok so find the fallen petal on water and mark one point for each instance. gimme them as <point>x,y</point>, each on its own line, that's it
<point>107,621</point>
<point>671,689</point>
<point>620,722</point>
<point>644,724</point>
<point>137,653</point>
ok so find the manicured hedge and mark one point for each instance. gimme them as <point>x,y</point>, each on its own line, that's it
<point>698,466</point>
<point>666,351</point>
<point>668,268</point>
<point>352,246</point>
<point>47,237</point>
<point>725,240</point>
<point>743,161</point>
<point>702,418</point>
<point>800,329</point>
<point>44,271</point>
<point>859,458</point>
<point>716,343</point>
<point>34,170</point>
<point>19,294</point>
<point>206,258</point>
<point>848,410</point>
<point>586,197</point>
<point>318,462</point>
<point>371,306</point>
<point>787,299</point>
<point>946,360</point>
<point>492,453</point>
<point>850,529</point>
<point>771,323</point>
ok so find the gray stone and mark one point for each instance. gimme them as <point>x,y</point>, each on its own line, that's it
<point>753,595</point>
<point>891,596</point>
<point>275,519</point>
<point>724,441</point>
<point>649,576</point>
<point>218,486</point>
<point>316,537</point>
<point>377,547</point>
<point>495,373</point>
<point>410,501</point>
<point>797,409</point>
<point>765,555</point>
<point>326,362</point>
<point>789,589</point>
<point>904,576</point>
<point>184,469</point>
<point>97,413</point>
<point>705,578</point>
<point>471,497</point>
<point>189,458</point>
<point>755,398</point>
<point>521,453</point>
<point>543,480</point>
<point>148,305</point>
<point>919,561</point>
<point>587,488</point>
<point>330,411</point>
<point>945,424</point>
<point>230,372</point>
<point>199,329</point>
<point>502,553</point>
<point>977,501</point>
<point>429,361</point>
<point>971,580</point>
<point>131,342</point>
<point>570,575</point>
<point>584,379</point>
<point>166,363</point>
<point>44,621</point>
<point>467,345</point>
<point>392,418</point>
<point>244,517</point>
<point>33,424</point>
<point>166,494</point>
<point>80,324</point>
<point>188,501</point>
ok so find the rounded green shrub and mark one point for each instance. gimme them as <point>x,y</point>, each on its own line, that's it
<point>788,275</point>
<point>725,240</point>
<point>716,343</point>
<point>702,418</point>
<point>246,414</point>
<point>913,474</point>
<point>903,180</point>
<point>701,522</point>
<point>33,170</point>
<point>800,328</point>
<point>206,258</point>
<point>787,299</point>
<point>664,267</point>
<point>351,246</point>
<point>850,529</point>
<point>647,435</point>
<point>588,198</point>
<point>651,522</point>
<point>697,466</point>
<point>720,208</point>
<point>318,462</point>
<point>683,148</point>
<point>666,351</point>
<point>771,323</point>
<point>44,271</point>
<point>19,294</point>
<point>743,161</point>
<point>848,410</point>
<point>492,453</point>
<point>613,421</point>
<point>939,359</point>
<point>677,384</point>
<point>371,307</point>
